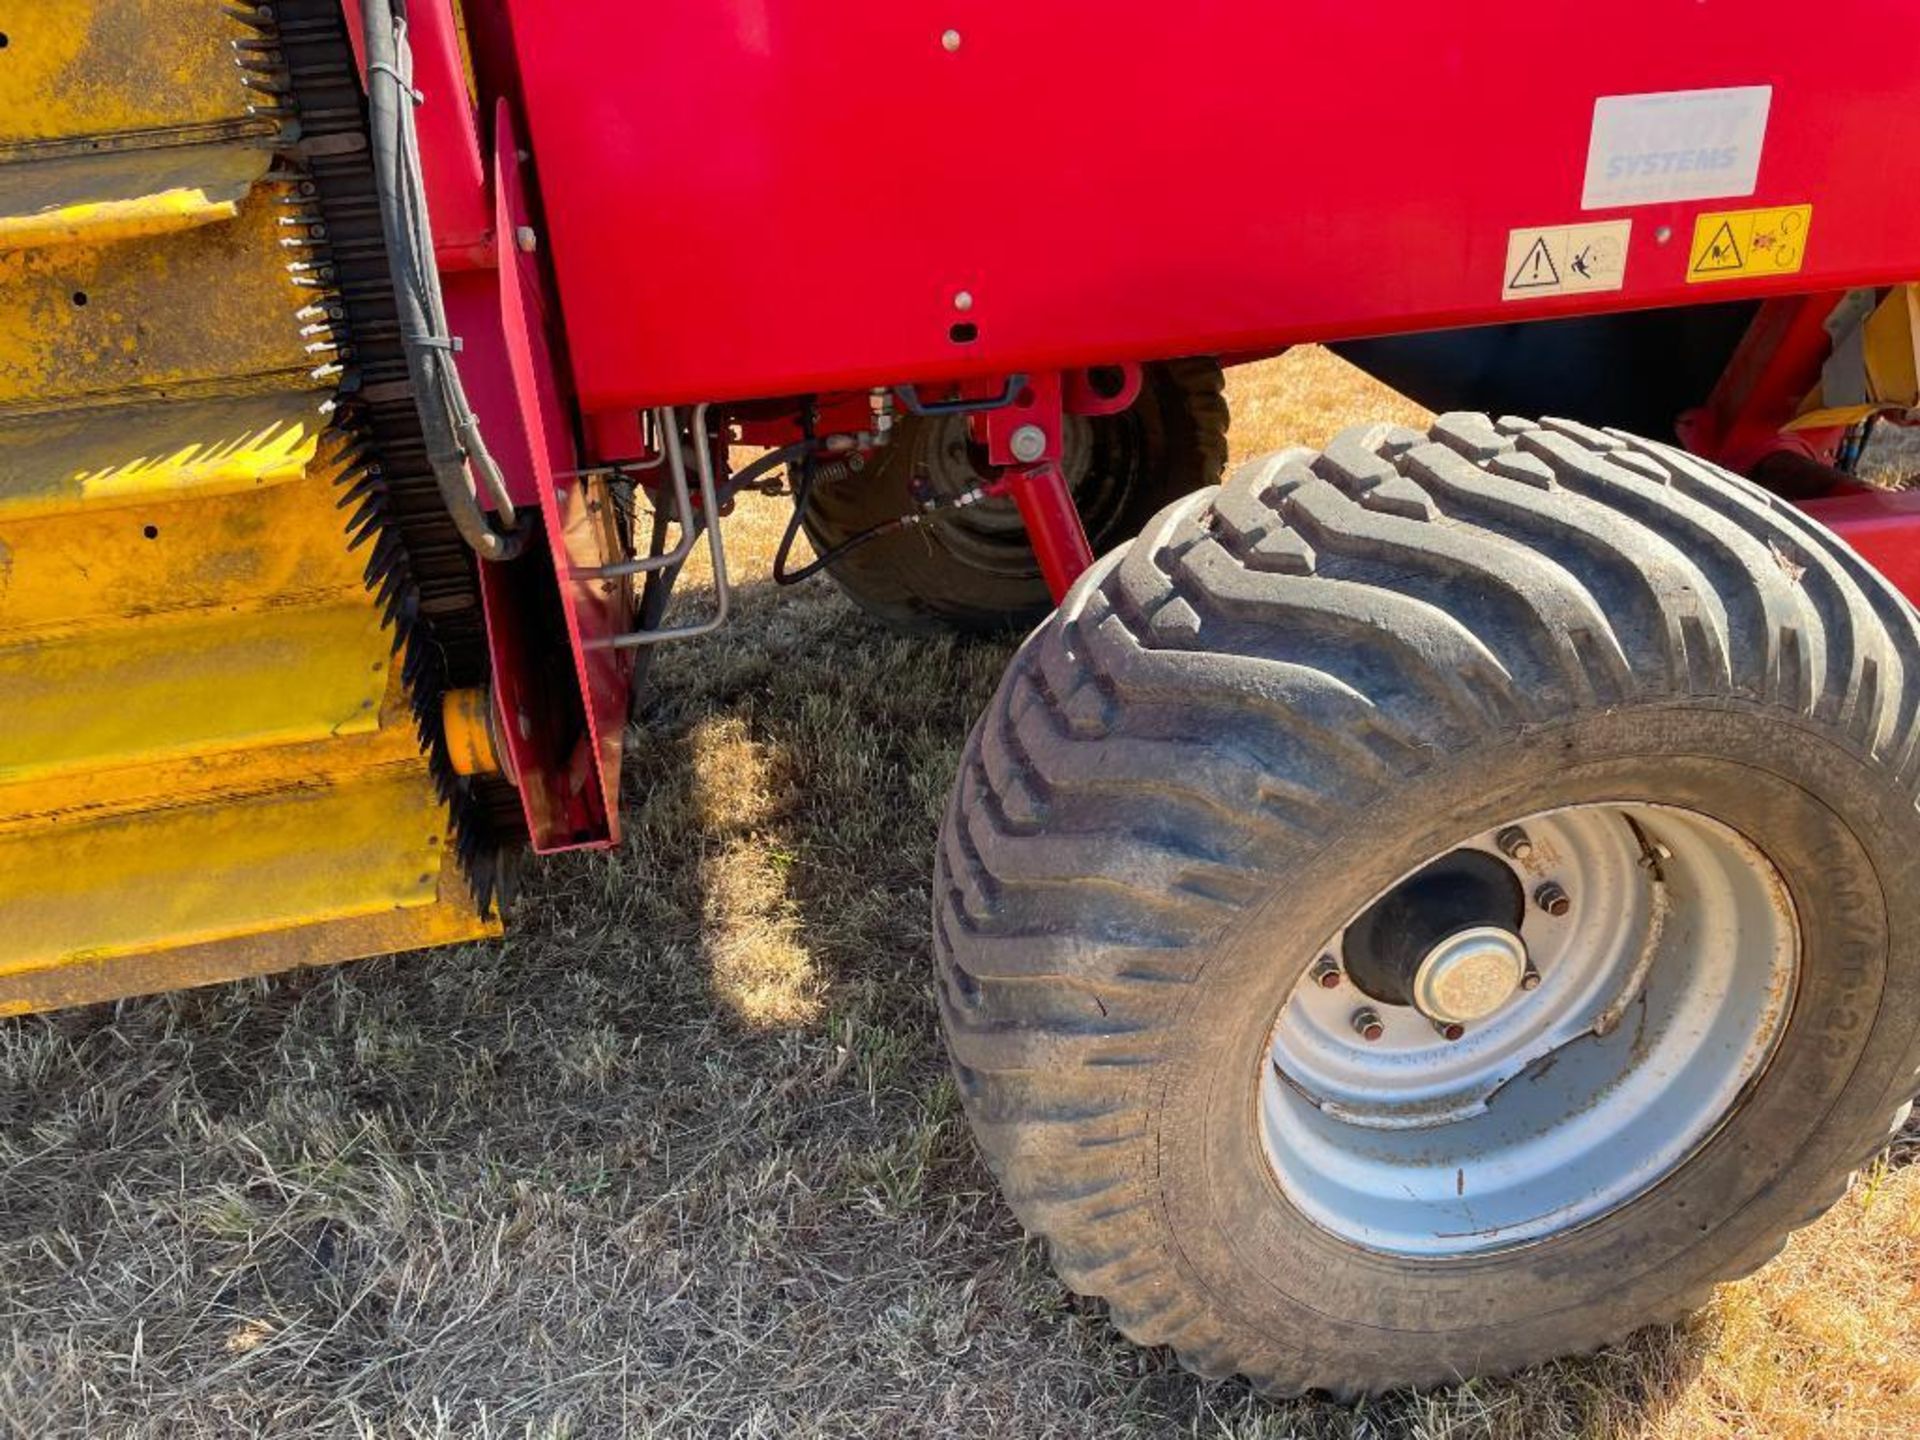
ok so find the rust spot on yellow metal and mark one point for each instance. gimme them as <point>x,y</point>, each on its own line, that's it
<point>207,311</point>
<point>128,70</point>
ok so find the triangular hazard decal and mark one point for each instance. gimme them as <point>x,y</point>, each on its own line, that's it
<point>1722,252</point>
<point>1537,270</point>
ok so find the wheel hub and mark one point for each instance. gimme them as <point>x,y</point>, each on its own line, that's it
<point>1443,922</point>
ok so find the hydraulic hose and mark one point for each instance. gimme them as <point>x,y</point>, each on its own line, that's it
<point>455,449</point>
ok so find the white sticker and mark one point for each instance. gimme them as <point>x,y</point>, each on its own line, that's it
<point>1566,259</point>
<point>1676,145</point>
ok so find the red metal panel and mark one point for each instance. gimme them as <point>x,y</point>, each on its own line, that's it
<point>591,609</point>
<point>777,196</point>
<point>450,156</point>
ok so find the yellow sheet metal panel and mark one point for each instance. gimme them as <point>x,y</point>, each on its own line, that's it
<point>140,71</point>
<point>187,874</point>
<point>192,313</point>
<point>84,980</point>
<point>136,539</point>
<point>208,765</point>
<point>107,195</point>
<point>81,462</point>
<point>36,806</point>
<point>143,693</point>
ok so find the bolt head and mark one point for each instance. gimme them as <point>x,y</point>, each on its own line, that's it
<point>963,300</point>
<point>1366,1024</point>
<point>1326,974</point>
<point>1449,1029</point>
<point>1552,899</point>
<point>950,41</point>
<point>1514,843</point>
<point>525,240</point>
<point>1028,443</point>
<point>1530,980</point>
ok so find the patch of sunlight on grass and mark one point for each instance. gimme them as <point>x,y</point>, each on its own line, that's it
<point>759,966</point>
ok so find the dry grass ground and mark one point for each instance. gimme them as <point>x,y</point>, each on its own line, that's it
<point>681,1156</point>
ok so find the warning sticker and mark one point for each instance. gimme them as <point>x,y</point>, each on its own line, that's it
<point>1746,244</point>
<point>1566,259</point>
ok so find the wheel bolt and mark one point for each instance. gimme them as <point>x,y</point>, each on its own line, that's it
<point>1449,1029</point>
<point>1326,973</point>
<point>1552,899</point>
<point>1366,1024</point>
<point>1514,843</point>
<point>1530,980</point>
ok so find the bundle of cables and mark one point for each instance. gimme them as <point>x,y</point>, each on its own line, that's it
<point>462,465</point>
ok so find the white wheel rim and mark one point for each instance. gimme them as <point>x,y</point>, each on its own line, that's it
<point>1661,994</point>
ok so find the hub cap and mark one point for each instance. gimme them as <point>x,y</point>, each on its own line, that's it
<point>1530,1071</point>
<point>1470,975</point>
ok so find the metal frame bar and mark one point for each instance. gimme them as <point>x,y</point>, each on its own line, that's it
<point>710,510</point>
<point>682,503</point>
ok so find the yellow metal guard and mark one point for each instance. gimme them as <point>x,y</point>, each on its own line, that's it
<point>208,766</point>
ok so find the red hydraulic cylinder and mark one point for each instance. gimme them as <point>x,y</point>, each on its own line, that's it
<point>1053,525</point>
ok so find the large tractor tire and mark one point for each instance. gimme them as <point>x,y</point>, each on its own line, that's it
<point>1440,903</point>
<point>975,572</point>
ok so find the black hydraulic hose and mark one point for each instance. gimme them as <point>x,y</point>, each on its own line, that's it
<point>930,513</point>
<point>772,460</point>
<point>454,448</point>
<point>654,595</point>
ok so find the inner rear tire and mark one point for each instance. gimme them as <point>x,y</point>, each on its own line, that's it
<point>1284,700</point>
<point>974,572</point>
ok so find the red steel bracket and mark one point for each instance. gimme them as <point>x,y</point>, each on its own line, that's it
<point>578,521</point>
<point>1025,437</point>
<point>1772,371</point>
<point>452,163</point>
<point>558,710</point>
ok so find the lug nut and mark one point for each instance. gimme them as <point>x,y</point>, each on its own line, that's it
<point>1326,973</point>
<point>1514,843</point>
<point>1530,980</point>
<point>1552,899</point>
<point>1449,1029</point>
<point>1366,1024</point>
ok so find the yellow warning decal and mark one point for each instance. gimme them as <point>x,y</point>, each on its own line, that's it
<point>1747,244</point>
<point>1565,259</point>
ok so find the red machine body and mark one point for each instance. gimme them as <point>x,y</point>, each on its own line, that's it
<point>764,201</point>
<point>770,198</point>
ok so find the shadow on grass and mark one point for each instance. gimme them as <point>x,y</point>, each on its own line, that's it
<point>679,1157</point>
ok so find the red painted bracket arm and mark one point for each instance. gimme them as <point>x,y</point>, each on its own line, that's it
<point>1026,438</point>
<point>459,197</point>
<point>1773,369</point>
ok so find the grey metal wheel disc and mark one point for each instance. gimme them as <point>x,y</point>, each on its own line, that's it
<point>1530,1080</point>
